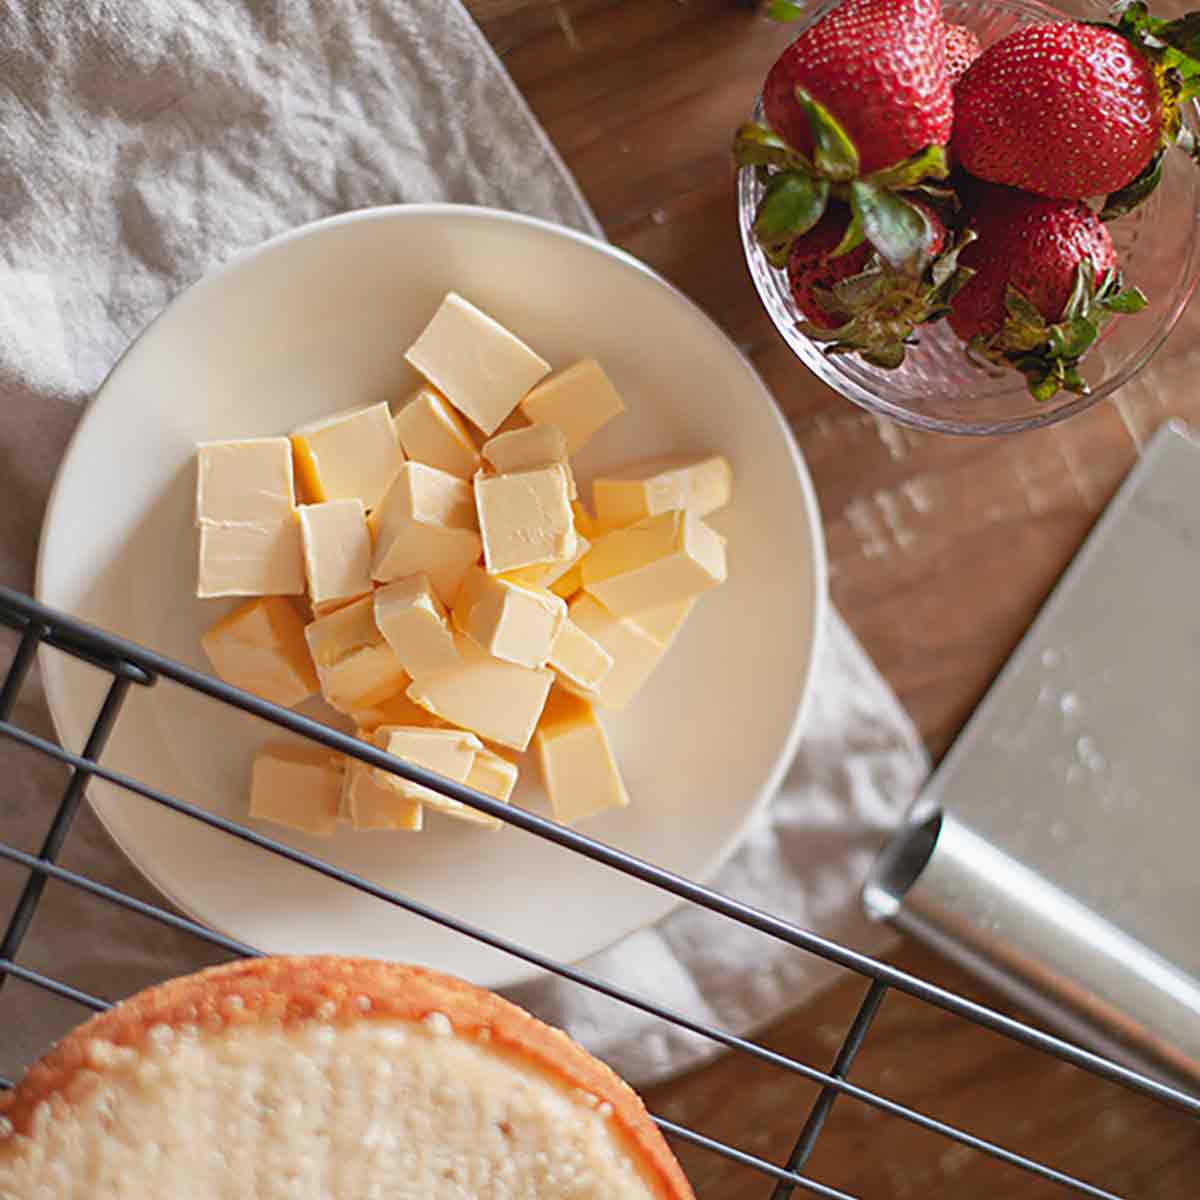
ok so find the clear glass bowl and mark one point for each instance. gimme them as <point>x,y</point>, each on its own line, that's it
<point>936,388</point>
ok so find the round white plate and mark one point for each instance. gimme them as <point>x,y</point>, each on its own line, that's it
<point>316,321</point>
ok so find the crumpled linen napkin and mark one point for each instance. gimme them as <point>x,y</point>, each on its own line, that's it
<point>140,146</point>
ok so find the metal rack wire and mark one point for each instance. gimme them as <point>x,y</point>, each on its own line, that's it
<point>129,665</point>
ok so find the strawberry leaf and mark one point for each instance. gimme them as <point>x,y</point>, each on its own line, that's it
<point>758,145</point>
<point>852,238</point>
<point>791,205</point>
<point>834,154</point>
<point>895,227</point>
<point>1119,203</point>
<point>929,163</point>
<point>786,11</point>
<point>1130,301</point>
<point>1182,34</point>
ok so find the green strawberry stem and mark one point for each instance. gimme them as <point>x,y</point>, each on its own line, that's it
<point>1048,355</point>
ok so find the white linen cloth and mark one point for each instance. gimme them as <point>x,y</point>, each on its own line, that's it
<point>140,146</point>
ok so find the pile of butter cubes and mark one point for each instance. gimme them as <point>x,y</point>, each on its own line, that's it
<point>442,585</point>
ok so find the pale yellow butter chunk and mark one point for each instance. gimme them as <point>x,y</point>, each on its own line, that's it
<point>497,700</point>
<point>579,771</point>
<point>251,559</point>
<point>426,523</point>
<point>297,785</point>
<point>446,752</point>
<point>525,519</point>
<point>244,482</point>
<point>529,448</point>
<point>634,652</point>
<point>356,667</point>
<point>337,552</point>
<point>700,485</point>
<point>663,624</point>
<point>395,710</point>
<point>351,455</point>
<point>481,368</point>
<point>414,622</point>
<point>580,401</point>
<point>516,623</point>
<point>260,648</point>
<point>493,776</point>
<point>579,661</point>
<point>368,804</point>
<point>431,432</point>
<point>660,560</point>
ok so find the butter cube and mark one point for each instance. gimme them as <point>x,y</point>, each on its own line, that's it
<point>260,648</point>
<point>529,448</point>
<point>414,623</point>
<point>700,485</point>
<point>493,776</point>
<point>426,523</point>
<point>250,559</point>
<point>481,368</point>
<point>337,552</point>
<point>497,700</point>
<point>368,804</point>
<point>296,785</point>
<point>356,667</point>
<point>446,752</point>
<point>351,455</point>
<point>525,519</point>
<point>585,523</point>
<point>432,433</point>
<point>660,560</point>
<point>245,482</point>
<point>578,768</point>
<point>634,652</point>
<point>663,624</point>
<point>579,661</point>
<point>579,400</point>
<point>512,622</point>
<point>395,710</point>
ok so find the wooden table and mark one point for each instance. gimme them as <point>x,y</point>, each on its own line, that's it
<point>941,551</point>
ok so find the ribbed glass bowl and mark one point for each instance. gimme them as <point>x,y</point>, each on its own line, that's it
<point>936,388</point>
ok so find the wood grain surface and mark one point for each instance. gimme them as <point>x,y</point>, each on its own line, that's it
<point>941,552</point>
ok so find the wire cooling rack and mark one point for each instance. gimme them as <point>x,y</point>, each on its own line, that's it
<point>129,666</point>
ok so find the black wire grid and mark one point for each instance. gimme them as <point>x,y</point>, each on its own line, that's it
<point>130,665</point>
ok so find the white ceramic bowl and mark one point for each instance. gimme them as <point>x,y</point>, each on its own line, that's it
<point>318,320</point>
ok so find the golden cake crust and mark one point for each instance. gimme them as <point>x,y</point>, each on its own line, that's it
<point>286,991</point>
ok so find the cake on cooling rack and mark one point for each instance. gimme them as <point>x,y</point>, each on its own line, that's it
<point>327,1077</point>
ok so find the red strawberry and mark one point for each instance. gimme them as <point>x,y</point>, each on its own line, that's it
<point>877,308</point>
<point>962,49</point>
<point>879,68</point>
<point>1045,278</point>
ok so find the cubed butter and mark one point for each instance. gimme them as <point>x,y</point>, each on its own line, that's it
<point>579,661</point>
<point>250,559</point>
<point>579,400</point>
<point>351,455</point>
<point>659,560</point>
<point>413,621</point>
<point>579,771</point>
<point>516,623</point>
<point>356,667</point>
<point>446,752</point>
<point>395,710</point>
<point>663,624</point>
<point>548,575</point>
<point>585,523</point>
<point>296,785</point>
<point>475,362</point>
<point>260,648</point>
<point>245,482</point>
<point>368,804</point>
<point>337,552</point>
<point>634,652</point>
<point>497,700</point>
<point>700,485</point>
<point>529,448</point>
<point>493,775</point>
<point>432,432</point>
<point>426,523</point>
<point>525,519</point>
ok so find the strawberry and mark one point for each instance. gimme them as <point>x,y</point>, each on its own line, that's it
<point>962,49</point>
<point>1072,110</point>
<point>854,301</point>
<point>1045,278</point>
<point>858,110</point>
